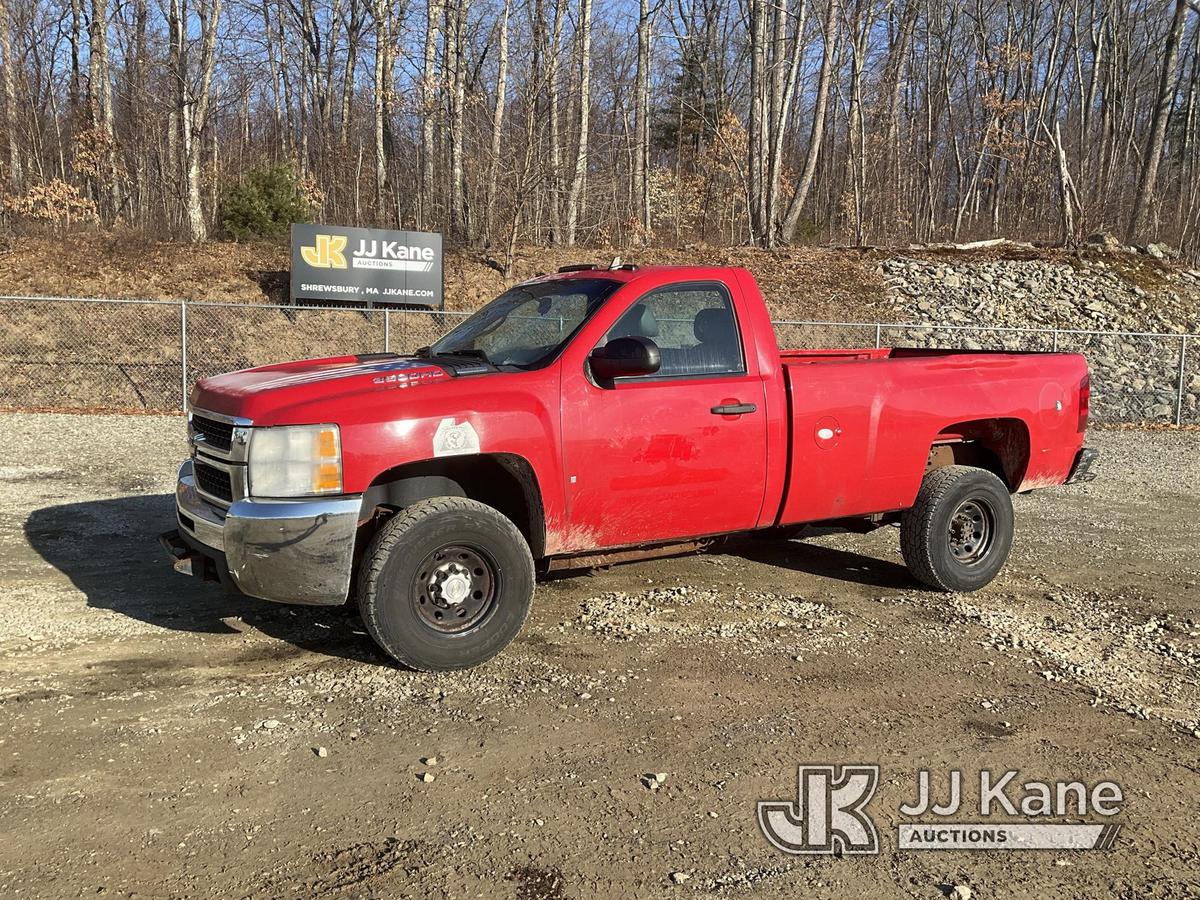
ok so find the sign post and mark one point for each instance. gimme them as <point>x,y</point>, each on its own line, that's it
<point>369,266</point>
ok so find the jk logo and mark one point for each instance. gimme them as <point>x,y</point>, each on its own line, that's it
<point>327,252</point>
<point>828,816</point>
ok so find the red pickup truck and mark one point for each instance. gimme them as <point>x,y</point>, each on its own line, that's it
<point>597,415</point>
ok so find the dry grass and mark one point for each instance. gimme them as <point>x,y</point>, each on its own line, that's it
<point>798,283</point>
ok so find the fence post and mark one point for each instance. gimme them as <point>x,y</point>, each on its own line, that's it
<point>878,335</point>
<point>183,352</point>
<point>387,330</point>
<point>1055,340</point>
<point>1182,374</point>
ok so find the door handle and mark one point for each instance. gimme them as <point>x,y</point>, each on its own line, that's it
<point>733,409</point>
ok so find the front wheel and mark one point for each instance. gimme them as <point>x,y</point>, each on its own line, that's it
<point>958,534</point>
<point>446,584</point>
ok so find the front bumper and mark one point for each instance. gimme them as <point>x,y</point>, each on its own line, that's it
<point>1081,470</point>
<point>289,551</point>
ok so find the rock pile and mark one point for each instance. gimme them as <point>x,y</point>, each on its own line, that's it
<point>1136,377</point>
<point>1087,296</point>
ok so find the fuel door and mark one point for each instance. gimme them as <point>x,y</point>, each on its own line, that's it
<point>827,433</point>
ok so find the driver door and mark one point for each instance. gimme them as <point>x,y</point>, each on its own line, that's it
<point>677,454</point>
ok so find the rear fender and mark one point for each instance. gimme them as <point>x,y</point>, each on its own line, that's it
<point>1002,446</point>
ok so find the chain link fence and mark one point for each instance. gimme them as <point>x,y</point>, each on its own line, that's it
<point>131,355</point>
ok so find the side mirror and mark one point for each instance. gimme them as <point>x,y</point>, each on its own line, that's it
<point>625,357</point>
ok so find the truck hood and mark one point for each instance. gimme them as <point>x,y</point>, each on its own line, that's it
<point>265,394</point>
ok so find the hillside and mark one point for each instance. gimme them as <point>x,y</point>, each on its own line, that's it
<point>808,283</point>
<point>1101,290</point>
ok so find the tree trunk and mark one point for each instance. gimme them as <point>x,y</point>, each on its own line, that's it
<point>493,177</point>
<point>139,107</point>
<point>796,206</point>
<point>1158,124</point>
<point>754,143</point>
<point>382,81</point>
<point>191,104</point>
<point>783,91</point>
<point>641,123</point>
<point>16,177</point>
<point>428,114</point>
<point>100,100</point>
<point>578,179</point>
<point>1068,201</point>
<point>456,65</point>
<point>353,35</point>
<point>553,87</point>
<point>276,88</point>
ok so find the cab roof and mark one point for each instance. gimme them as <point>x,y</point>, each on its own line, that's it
<point>626,273</point>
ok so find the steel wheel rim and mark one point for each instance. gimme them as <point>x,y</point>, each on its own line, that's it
<point>971,531</point>
<point>455,588</point>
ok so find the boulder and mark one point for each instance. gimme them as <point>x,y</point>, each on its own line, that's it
<point>1103,239</point>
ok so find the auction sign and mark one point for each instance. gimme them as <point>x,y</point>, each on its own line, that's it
<point>366,265</point>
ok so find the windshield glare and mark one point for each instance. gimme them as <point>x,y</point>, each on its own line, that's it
<point>527,325</point>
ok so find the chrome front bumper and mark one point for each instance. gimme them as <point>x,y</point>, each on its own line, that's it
<point>289,551</point>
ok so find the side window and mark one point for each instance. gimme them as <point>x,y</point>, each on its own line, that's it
<point>693,326</point>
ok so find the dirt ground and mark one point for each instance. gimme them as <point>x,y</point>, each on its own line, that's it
<point>160,738</point>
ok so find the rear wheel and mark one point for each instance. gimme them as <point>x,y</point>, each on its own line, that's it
<point>958,534</point>
<point>446,584</point>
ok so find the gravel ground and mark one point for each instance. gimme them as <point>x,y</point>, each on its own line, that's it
<point>160,738</point>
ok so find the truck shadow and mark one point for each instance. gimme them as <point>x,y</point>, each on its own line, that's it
<point>109,549</point>
<point>829,562</point>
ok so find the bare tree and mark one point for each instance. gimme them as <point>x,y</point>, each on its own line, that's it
<point>1163,102</point>
<point>381,10</point>
<point>192,94</point>
<point>817,134</point>
<point>100,102</point>
<point>550,56</point>
<point>786,66</point>
<point>456,74</point>
<point>578,178</point>
<point>493,176</point>
<point>429,111</point>
<point>15,172</point>
<point>640,189</point>
<point>705,120</point>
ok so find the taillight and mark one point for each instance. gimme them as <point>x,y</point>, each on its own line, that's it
<point>1085,400</point>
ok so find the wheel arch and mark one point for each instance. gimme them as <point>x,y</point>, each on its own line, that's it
<point>504,481</point>
<point>999,445</point>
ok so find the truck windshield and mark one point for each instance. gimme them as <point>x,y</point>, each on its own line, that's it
<point>527,325</point>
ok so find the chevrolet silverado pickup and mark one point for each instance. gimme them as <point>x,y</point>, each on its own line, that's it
<point>597,415</point>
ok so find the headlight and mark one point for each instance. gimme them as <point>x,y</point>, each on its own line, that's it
<point>295,461</point>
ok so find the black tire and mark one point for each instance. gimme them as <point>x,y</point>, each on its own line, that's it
<point>431,564</point>
<point>958,534</point>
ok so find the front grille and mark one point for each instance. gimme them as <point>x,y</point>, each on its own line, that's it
<point>218,435</point>
<point>212,481</point>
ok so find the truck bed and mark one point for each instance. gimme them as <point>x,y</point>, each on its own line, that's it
<point>860,433</point>
<point>802,357</point>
